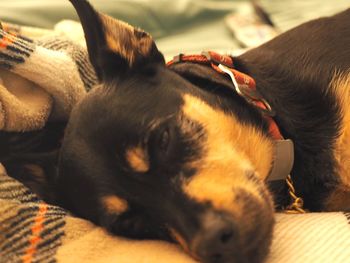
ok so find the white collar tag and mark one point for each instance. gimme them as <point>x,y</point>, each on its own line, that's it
<point>283,161</point>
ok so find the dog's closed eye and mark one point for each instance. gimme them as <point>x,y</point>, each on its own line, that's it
<point>164,140</point>
<point>161,144</point>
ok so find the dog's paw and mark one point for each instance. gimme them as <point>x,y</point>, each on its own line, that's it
<point>135,225</point>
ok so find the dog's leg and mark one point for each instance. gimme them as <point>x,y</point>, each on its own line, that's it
<point>135,224</point>
<point>31,157</point>
<point>35,171</point>
<point>44,140</point>
<point>38,172</point>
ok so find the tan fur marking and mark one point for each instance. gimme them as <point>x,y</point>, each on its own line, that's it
<point>341,87</point>
<point>340,198</point>
<point>37,171</point>
<point>231,150</point>
<point>114,204</point>
<point>120,38</point>
<point>137,159</point>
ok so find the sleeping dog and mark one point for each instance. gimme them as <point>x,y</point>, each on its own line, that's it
<point>186,151</point>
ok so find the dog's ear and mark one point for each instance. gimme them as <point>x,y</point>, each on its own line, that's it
<point>114,46</point>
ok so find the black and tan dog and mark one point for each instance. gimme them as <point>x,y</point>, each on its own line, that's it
<point>157,151</point>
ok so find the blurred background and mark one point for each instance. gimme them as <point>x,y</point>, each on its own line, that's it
<point>186,26</point>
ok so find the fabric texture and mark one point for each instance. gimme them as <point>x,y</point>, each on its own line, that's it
<point>42,77</point>
<point>30,230</point>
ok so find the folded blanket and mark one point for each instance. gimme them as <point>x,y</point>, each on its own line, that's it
<point>43,75</point>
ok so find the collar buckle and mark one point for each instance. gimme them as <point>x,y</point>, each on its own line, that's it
<point>177,58</point>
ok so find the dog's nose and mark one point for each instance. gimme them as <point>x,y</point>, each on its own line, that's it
<point>216,241</point>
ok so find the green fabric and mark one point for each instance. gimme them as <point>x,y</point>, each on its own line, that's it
<point>193,25</point>
<point>159,17</point>
<point>290,13</point>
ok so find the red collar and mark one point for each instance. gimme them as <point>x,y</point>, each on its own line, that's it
<point>243,84</point>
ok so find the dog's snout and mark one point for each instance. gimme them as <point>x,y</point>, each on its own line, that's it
<point>216,241</point>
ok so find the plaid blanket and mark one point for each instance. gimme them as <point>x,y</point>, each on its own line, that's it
<point>30,230</point>
<point>43,74</point>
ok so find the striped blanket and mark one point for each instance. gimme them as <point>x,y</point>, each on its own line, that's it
<point>52,73</point>
<point>31,230</point>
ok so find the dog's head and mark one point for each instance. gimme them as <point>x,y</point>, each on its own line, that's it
<point>149,140</point>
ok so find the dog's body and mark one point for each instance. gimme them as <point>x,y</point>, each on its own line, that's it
<point>304,74</point>
<point>172,150</point>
